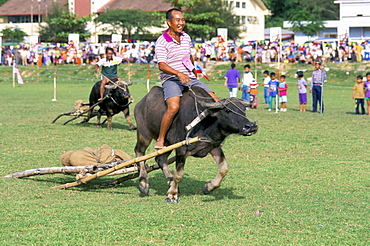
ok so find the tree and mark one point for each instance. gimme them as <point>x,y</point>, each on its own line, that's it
<point>130,22</point>
<point>13,34</point>
<point>304,21</point>
<point>285,10</point>
<point>61,23</point>
<point>204,17</point>
<point>2,2</point>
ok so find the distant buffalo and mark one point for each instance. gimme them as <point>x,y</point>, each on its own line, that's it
<point>223,118</point>
<point>116,99</point>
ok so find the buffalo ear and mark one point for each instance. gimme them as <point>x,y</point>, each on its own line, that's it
<point>129,83</point>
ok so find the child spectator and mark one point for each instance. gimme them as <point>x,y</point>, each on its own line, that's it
<point>254,92</point>
<point>247,80</point>
<point>273,85</point>
<point>283,89</point>
<point>367,92</point>
<point>358,93</point>
<point>232,79</point>
<point>302,92</point>
<point>266,81</point>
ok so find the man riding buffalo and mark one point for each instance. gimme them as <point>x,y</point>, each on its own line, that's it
<point>109,66</point>
<point>176,68</point>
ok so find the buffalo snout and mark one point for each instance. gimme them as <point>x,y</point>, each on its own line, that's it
<point>249,129</point>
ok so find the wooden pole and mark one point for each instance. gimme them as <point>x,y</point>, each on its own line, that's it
<point>38,72</point>
<point>148,80</point>
<point>255,61</point>
<point>130,162</point>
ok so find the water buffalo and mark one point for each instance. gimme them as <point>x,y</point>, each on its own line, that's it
<point>223,118</point>
<point>117,98</point>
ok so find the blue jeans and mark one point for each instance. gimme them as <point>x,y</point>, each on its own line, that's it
<point>266,95</point>
<point>245,94</point>
<point>316,97</point>
<point>360,102</point>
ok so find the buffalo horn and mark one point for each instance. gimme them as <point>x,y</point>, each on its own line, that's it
<point>212,105</point>
<point>245,103</point>
<point>110,87</point>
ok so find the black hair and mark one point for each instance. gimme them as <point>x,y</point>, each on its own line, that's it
<point>266,72</point>
<point>359,77</point>
<point>272,74</point>
<point>248,66</point>
<point>232,65</point>
<point>300,74</point>
<point>283,76</point>
<point>169,13</point>
<point>367,74</point>
<point>109,49</point>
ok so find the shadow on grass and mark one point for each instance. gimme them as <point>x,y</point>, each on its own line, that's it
<point>158,186</point>
<point>92,124</point>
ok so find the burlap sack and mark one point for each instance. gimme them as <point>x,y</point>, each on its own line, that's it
<point>88,156</point>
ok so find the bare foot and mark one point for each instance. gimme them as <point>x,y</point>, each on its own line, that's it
<point>159,145</point>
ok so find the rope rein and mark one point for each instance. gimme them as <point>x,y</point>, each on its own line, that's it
<point>225,104</point>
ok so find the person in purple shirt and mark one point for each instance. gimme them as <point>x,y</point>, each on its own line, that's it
<point>232,80</point>
<point>302,92</point>
<point>367,92</point>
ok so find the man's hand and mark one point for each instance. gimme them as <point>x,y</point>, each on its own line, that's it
<point>310,91</point>
<point>183,78</point>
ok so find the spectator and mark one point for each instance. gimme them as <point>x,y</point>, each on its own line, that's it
<point>273,87</point>
<point>232,80</point>
<point>367,92</point>
<point>266,81</point>
<point>302,92</point>
<point>247,80</point>
<point>318,78</point>
<point>254,94</point>
<point>283,93</point>
<point>358,93</point>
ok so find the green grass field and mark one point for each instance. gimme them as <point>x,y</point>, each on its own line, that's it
<point>306,173</point>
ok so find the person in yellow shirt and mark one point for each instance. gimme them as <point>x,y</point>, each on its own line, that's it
<point>359,52</point>
<point>358,93</point>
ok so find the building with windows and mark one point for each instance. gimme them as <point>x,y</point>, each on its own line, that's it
<point>353,24</point>
<point>252,15</point>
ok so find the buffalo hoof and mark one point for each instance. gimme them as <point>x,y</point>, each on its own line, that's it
<point>133,127</point>
<point>98,126</point>
<point>205,190</point>
<point>144,191</point>
<point>168,200</point>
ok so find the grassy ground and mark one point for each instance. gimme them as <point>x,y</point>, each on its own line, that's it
<point>307,174</point>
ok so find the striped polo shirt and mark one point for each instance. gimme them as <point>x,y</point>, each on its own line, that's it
<point>109,67</point>
<point>174,54</point>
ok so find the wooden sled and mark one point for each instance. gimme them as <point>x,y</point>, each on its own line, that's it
<point>87,173</point>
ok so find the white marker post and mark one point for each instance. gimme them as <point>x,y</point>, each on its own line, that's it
<point>14,74</point>
<point>55,84</point>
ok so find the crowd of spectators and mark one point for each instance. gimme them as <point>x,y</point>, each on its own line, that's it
<point>88,54</point>
<point>142,53</point>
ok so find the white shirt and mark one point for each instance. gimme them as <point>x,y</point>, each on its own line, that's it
<point>247,78</point>
<point>266,81</point>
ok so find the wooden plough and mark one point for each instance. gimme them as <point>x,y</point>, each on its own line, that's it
<point>87,173</point>
<point>82,111</point>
